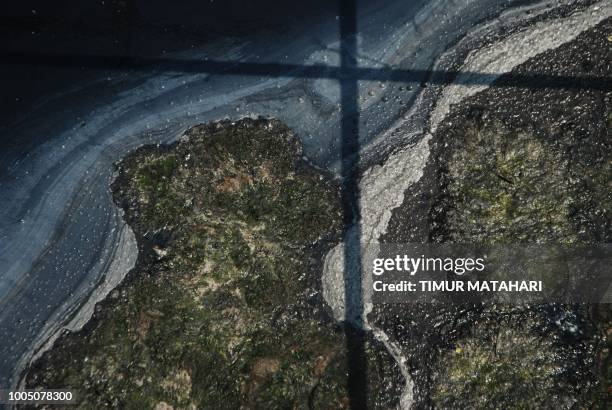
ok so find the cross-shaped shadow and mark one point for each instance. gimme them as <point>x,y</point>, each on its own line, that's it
<point>348,74</point>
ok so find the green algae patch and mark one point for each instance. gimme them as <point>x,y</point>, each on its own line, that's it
<point>507,360</point>
<point>503,182</point>
<point>508,185</point>
<point>223,309</point>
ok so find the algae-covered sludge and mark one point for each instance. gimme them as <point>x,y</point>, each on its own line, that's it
<point>209,206</point>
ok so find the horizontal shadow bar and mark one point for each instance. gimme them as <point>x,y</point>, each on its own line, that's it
<point>315,71</point>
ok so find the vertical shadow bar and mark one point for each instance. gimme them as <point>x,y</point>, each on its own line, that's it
<point>349,135</point>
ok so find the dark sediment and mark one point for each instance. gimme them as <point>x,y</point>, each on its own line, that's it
<point>223,309</point>
<point>514,165</point>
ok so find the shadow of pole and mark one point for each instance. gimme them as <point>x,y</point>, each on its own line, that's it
<point>129,60</point>
<point>311,71</point>
<point>350,150</point>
